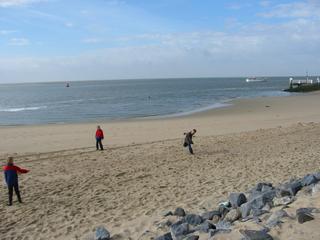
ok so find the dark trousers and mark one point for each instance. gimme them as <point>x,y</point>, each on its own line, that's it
<point>10,191</point>
<point>190,148</point>
<point>99,144</point>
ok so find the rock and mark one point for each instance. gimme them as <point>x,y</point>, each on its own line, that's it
<point>223,211</point>
<point>233,215</point>
<point>304,215</point>
<point>258,212</point>
<point>210,215</point>
<point>223,225</point>
<point>205,227</point>
<point>258,201</point>
<point>193,219</point>
<point>215,232</point>
<point>167,214</point>
<point>192,237</point>
<point>237,199</point>
<point>164,224</point>
<point>289,189</point>
<point>179,212</point>
<point>261,187</point>
<point>283,201</point>
<point>179,229</point>
<point>268,206</point>
<point>275,218</point>
<point>308,180</point>
<point>245,209</point>
<point>102,234</point>
<point>317,175</point>
<point>255,235</point>
<point>166,236</point>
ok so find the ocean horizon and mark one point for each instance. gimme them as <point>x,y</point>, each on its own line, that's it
<point>98,100</point>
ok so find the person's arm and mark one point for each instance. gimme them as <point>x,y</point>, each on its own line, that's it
<point>21,170</point>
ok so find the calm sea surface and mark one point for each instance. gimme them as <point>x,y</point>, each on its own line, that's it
<point>41,103</point>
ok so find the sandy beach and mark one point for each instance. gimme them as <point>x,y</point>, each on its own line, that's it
<point>145,171</point>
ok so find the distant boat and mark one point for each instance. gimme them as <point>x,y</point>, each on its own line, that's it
<point>67,85</point>
<point>255,79</point>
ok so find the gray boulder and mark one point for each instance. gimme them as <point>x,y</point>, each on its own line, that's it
<point>275,218</point>
<point>179,212</point>
<point>257,202</point>
<point>205,227</point>
<point>166,236</point>
<point>192,237</point>
<point>261,187</point>
<point>255,235</point>
<point>179,230</point>
<point>317,175</point>
<point>245,210</point>
<point>308,180</point>
<point>289,189</point>
<point>223,225</point>
<point>193,219</point>
<point>237,199</point>
<point>102,234</point>
<point>210,215</point>
<point>215,232</point>
<point>304,215</point>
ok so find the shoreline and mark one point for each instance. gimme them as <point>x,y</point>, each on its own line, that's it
<point>242,115</point>
<point>220,105</point>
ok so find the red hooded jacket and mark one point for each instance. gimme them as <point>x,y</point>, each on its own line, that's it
<point>99,134</point>
<point>11,173</point>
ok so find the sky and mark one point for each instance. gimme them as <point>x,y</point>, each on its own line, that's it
<point>59,40</point>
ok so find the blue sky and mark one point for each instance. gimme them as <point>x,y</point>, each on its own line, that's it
<point>56,40</point>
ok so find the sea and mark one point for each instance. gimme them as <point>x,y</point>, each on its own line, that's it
<point>94,101</point>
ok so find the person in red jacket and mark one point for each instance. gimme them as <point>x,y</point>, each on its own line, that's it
<point>11,176</point>
<point>99,138</point>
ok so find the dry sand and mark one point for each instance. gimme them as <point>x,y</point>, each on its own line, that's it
<point>72,188</point>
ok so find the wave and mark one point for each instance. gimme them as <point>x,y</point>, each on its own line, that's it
<point>22,109</point>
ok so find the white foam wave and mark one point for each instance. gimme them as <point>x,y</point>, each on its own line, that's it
<point>21,109</point>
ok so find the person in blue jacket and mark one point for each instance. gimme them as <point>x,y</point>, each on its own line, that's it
<point>11,176</point>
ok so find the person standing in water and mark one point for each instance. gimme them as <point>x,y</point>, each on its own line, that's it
<point>99,138</point>
<point>11,176</point>
<point>188,140</point>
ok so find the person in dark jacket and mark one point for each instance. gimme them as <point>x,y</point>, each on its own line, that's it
<point>11,176</point>
<point>99,138</point>
<point>188,140</point>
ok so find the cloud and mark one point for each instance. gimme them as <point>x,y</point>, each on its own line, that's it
<point>265,3</point>
<point>13,3</point>
<point>92,40</point>
<point>238,5</point>
<point>69,24</point>
<point>7,32</point>
<point>300,9</point>
<point>285,49</point>
<point>19,42</point>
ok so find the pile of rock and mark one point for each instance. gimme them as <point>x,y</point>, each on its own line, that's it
<point>254,205</point>
<point>243,207</point>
